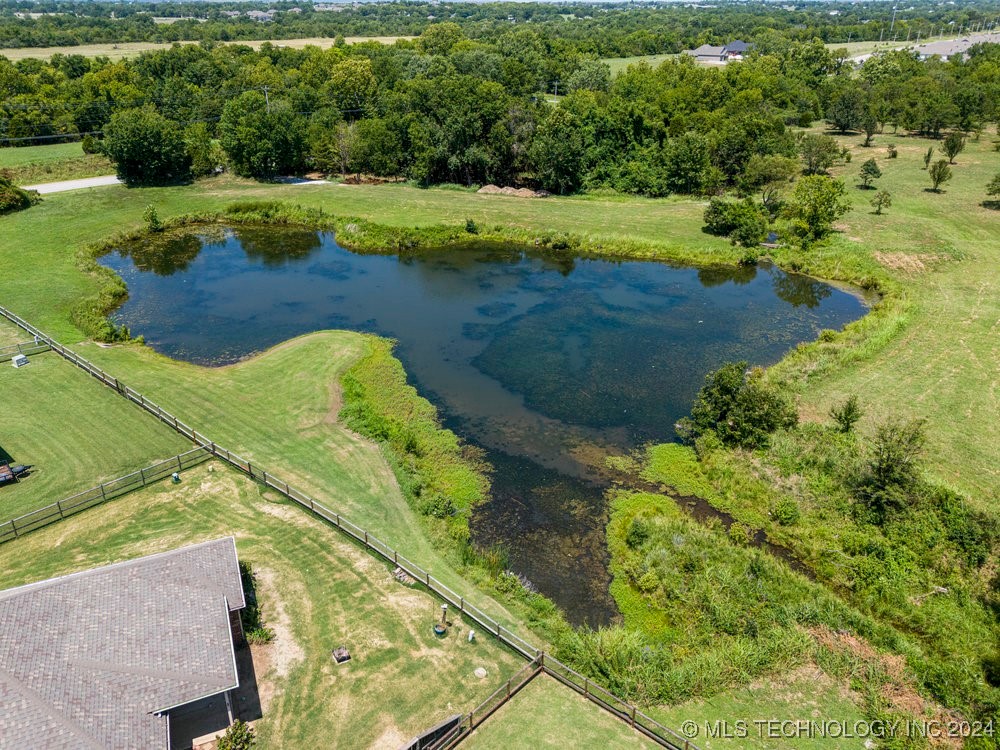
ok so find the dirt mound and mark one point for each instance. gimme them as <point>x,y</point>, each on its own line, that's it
<point>516,192</point>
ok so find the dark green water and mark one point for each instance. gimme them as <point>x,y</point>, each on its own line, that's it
<point>547,362</point>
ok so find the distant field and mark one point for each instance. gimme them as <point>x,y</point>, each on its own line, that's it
<point>618,64</point>
<point>30,165</point>
<point>131,49</point>
<point>863,48</point>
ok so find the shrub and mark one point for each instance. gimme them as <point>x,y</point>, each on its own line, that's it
<point>239,736</point>
<point>786,511</point>
<point>744,222</point>
<point>739,406</point>
<point>869,173</point>
<point>891,149</point>
<point>953,145</point>
<point>90,144</point>
<point>14,198</point>
<point>940,173</point>
<point>152,219</point>
<point>815,204</point>
<point>847,414</point>
<point>637,534</point>
<point>470,227</point>
<point>891,470</point>
<point>882,200</point>
<point>251,616</point>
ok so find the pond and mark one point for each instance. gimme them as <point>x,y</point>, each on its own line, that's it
<point>547,362</point>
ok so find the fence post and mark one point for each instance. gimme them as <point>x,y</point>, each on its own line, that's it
<point>142,476</point>
<point>366,538</point>
<point>179,466</point>
<point>508,689</point>
<point>461,604</point>
<point>633,717</point>
<point>395,558</point>
<point>586,687</point>
<point>13,528</point>
<point>59,506</point>
<point>104,497</point>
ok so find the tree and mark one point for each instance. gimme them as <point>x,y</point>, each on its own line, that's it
<point>239,736</point>
<point>261,140</point>
<point>14,198</point>
<point>869,173</point>
<point>206,155</point>
<point>557,152</point>
<point>146,148</point>
<point>815,204</point>
<point>952,146</point>
<point>376,148</point>
<point>891,470</point>
<point>686,160</point>
<point>993,189</point>
<point>847,109</point>
<point>882,199</point>
<point>940,173</point>
<point>592,75</point>
<point>928,156</point>
<point>739,406</point>
<point>763,172</point>
<point>869,126</point>
<point>819,152</point>
<point>847,414</point>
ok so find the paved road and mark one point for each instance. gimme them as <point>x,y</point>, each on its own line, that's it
<point>61,187</point>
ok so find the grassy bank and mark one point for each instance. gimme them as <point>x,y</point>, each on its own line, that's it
<point>316,590</point>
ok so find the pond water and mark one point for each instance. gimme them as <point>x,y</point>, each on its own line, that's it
<point>547,362</point>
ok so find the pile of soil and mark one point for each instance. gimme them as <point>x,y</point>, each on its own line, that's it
<point>516,192</point>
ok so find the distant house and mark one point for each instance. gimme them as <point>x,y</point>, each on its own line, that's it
<point>736,50</point>
<point>709,54</point>
<point>103,657</point>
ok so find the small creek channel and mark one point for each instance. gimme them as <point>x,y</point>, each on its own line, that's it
<point>547,362</point>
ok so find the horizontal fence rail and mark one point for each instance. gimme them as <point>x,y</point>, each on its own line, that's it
<point>615,705</point>
<point>7,353</point>
<point>103,492</point>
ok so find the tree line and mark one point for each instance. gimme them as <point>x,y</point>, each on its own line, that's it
<point>446,108</point>
<point>601,30</point>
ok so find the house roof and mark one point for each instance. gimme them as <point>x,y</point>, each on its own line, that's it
<point>737,46</point>
<point>88,660</point>
<point>707,50</point>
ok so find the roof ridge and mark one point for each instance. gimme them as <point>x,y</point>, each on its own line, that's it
<point>32,697</point>
<point>35,585</point>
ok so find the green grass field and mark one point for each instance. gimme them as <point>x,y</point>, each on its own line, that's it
<point>618,64</point>
<point>546,713</point>
<point>316,590</point>
<point>33,165</point>
<point>74,433</point>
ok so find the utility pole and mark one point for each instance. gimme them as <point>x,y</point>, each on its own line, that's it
<point>893,24</point>
<point>267,100</point>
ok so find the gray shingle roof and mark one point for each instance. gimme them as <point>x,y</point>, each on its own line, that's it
<point>87,660</point>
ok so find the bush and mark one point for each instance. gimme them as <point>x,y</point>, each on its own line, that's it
<point>90,145</point>
<point>152,219</point>
<point>470,227</point>
<point>847,414</point>
<point>239,736</point>
<point>739,406</point>
<point>744,222</point>
<point>14,198</point>
<point>786,511</point>
<point>891,470</point>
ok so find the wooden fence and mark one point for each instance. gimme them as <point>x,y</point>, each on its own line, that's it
<point>648,726</point>
<point>103,492</point>
<point>7,353</point>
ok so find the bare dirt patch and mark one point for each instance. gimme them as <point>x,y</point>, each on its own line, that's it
<point>898,689</point>
<point>274,660</point>
<point>908,264</point>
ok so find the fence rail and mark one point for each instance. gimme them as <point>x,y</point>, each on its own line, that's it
<point>7,353</point>
<point>650,728</point>
<point>103,492</point>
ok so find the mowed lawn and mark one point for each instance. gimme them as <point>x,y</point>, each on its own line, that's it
<point>33,165</point>
<point>74,432</point>
<point>547,714</point>
<point>317,591</point>
<point>279,410</point>
<point>945,365</point>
